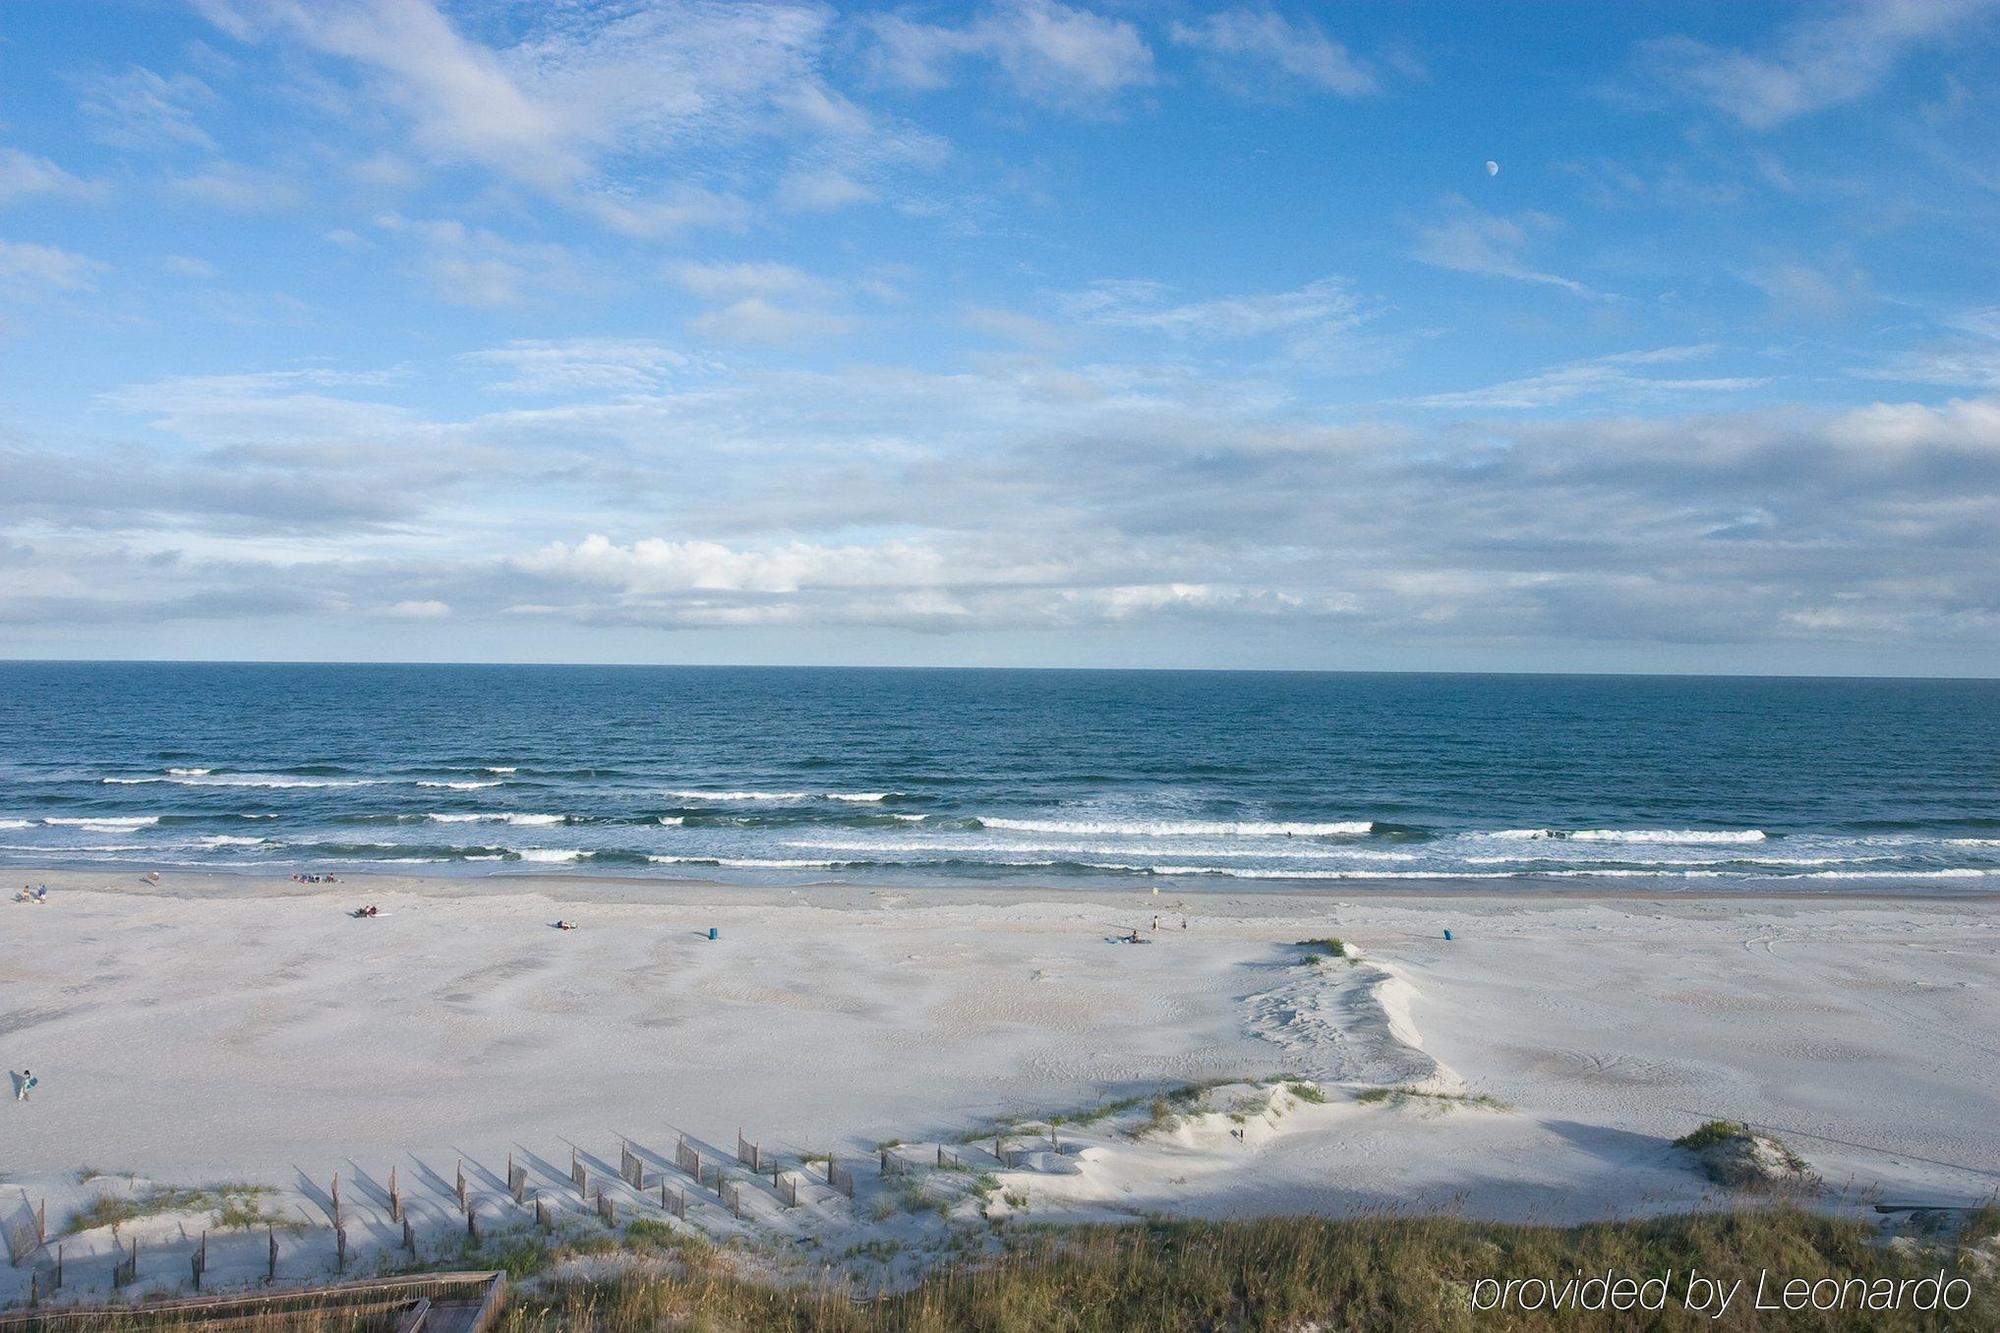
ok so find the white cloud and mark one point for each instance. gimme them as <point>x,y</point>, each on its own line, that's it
<point>580,365</point>
<point>756,320</point>
<point>139,109</point>
<point>724,281</point>
<point>25,265</point>
<point>1837,53</point>
<point>1969,354</point>
<point>237,188</point>
<point>23,174</point>
<point>1803,293</point>
<point>822,192</point>
<point>419,610</point>
<point>1261,44</point>
<point>473,266</point>
<point>1326,303</point>
<point>656,565</point>
<point>1619,377</point>
<point>1051,52</point>
<point>1474,241</point>
<point>187,266</point>
<point>583,95</point>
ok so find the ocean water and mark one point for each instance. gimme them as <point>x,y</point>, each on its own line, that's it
<point>1190,778</point>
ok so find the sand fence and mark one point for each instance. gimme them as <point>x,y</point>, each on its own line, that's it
<point>361,1216</point>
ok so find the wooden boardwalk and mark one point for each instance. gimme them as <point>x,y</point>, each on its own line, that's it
<point>422,1303</point>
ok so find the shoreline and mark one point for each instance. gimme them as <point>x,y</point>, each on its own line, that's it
<point>1535,1068</point>
<point>130,877</point>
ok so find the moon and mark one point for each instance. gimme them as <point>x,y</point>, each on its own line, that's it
<point>1493,168</point>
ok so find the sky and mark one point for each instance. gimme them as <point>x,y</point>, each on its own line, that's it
<point>1377,336</point>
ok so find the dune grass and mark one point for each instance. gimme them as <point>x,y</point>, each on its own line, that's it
<point>1379,1273</point>
<point>1373,1273</point>
<point>231,1206</point>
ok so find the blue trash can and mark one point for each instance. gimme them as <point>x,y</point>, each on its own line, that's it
<point>712,933</point>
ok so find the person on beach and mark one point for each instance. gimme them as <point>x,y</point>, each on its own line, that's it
<point>25,1084</point>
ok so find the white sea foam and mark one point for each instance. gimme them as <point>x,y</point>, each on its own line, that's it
<point>739,795</point>
<point>548,854</point>
<point>98,822</point>
<point>284,780</point>
<point>954,846</point>
<point>231,840</point>
<point>672,821</point>
<point>1972,842</point>
<point>1181,828</point>
<point>189,772</point>
<point>14,823</point>
<point>1633,835</point>
<point>501,768</point>
<point>859,795</point>
<point>744,862</point>
<point>65,851</point>
<point>458,786</point>
<point>1961,873</point>
<point>499,817</point>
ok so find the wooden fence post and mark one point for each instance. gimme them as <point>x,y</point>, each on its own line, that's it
<point>395,1198</point>
<point>472,1225</point>
<point>59,1261</point>
<point>578,1176</point>
<point>42,1222</point>
<point>409,1237</point>
<point>462,1205</point>
<point>517,1180</point>
<point>336,1198</point>
<point>542,1218</point>
<point>631,1167</point>
<point>340,1249</point>
<point>271,1275</point>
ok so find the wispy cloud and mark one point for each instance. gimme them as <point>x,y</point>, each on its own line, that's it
<point>474,266</point>
<point>23,175</point>
<point>1619,379</point>
<point>1050,52</point>
<point>580,365</point>
<point>1471,240</point>
<point>578,91</point>
<point>26,266</point>
<point>140,109</point>
<point>1251,47</point>
<point>1837,53</point>
<point>1308,314</point>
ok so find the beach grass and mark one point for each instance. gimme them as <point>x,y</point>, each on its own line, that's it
<point>1376,1273</point>
<point>231,1206</point>
<point>1327,946</point>
<point>1398,1096</point>
<point>1369,1273</point>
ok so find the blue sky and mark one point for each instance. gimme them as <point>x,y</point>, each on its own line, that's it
<point>1019,333</point>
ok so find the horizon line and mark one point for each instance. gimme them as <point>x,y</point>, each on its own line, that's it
<point>888,666</point>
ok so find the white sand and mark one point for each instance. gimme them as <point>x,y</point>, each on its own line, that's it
<point>238,1030</point>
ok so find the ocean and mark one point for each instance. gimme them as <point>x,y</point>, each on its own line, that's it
<point>1199,779</point>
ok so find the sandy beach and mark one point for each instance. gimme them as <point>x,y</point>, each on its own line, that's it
<point>210,1030</point>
